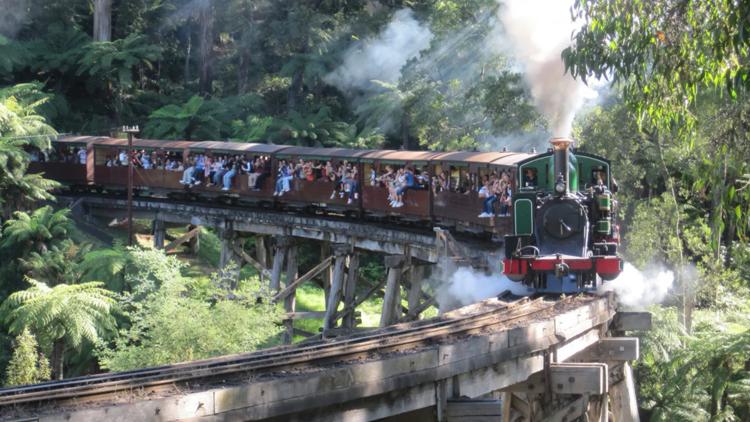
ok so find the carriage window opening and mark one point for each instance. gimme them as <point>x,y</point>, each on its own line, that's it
<point>529,178</point>
<point>598,177</point>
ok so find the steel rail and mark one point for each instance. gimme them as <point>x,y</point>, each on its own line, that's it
<point>381,340</point>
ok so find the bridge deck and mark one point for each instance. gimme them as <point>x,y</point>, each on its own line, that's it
<point>417,240</point>
<point>476,350</point>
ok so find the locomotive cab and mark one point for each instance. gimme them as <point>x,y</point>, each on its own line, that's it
<point>564,238</point>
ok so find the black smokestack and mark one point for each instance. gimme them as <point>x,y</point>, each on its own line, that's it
<point>560,148</point>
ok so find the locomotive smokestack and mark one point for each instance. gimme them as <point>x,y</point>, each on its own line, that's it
<point>560,148</point>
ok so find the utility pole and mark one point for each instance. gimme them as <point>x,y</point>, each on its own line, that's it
<point>130,130</point>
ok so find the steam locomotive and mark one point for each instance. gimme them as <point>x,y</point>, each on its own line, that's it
<point>559,235</point>
<point>564,237</point>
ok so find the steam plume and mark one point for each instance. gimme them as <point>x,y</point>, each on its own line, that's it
<point>463,286</point>
<point>13,17</point>
<point>636,289</point>
<point>537,31</point>
<point>382,57</point>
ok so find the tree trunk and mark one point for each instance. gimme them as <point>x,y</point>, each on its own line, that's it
<point>206,19</point>
<point>58,358</point>
<point>102,20</point>
<point>405,131</point>
<point>188,48</point>
<point>294,96</point>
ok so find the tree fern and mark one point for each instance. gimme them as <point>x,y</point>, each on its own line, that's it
<point>67,314</point>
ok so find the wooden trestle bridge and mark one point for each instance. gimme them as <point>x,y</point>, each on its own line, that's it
<point>504,359</point>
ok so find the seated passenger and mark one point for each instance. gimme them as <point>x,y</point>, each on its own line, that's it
<point>505,199</point>
<point>529,178</point>
<point>408,183</point>
<point>187,174</point>
<point>489,202</point>
<point>282,179</point>
<point>82,156</point>
<point>123,158</point>
<point>484,190</point>
<point>234,166</point>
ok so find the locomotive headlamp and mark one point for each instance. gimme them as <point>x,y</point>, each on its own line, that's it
<point>560,185</point>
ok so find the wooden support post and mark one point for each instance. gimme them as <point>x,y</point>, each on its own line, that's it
<point>336,286</point>
<point>278,261</point>
<point>290,300</point>
<point>261,253</point>
<point>392,297</point>
<point>441,401</point>
<point>622,394</point>
<point>160,233</point>
<point>416,275</point>
<point>325,252</point>
<point>228,236</point>
<point>350,289</point>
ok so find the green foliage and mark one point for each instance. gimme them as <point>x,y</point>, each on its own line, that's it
<point>28,365</point>
<point>21,127</point>
<point>75,312</point>
<point>175,324</point>
<point>196,119</point>
<point>702,377</point>
<point>59,264</point>
<point>663,53</point>
<point>35,232</point>
<point>114,61</point>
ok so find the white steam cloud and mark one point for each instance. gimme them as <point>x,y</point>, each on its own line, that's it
<point>457,287</point>
<point>636,289</point>
<point>537,32</point>
<point>13,17</point>
<point>381,57</point>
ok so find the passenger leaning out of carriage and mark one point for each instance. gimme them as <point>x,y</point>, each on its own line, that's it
<point>283,176</point>
<point>505,198</point>
<point>351,185</point>
<point>492,192</point>
<point>187,174</point>
<point>409,182</point>
<point>234,168</point>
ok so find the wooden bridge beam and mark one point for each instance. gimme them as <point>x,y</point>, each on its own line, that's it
<point>392,299</point>
<point>281,245</point>
<point>290,300</point>
<point>160,233</point>
<point>337,282</point>
<point>350,290</point>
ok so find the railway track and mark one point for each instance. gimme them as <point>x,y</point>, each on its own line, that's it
<point>391,339</point>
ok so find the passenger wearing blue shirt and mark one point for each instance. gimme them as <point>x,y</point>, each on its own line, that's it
<point>200,168</point>
<point>409,183</point>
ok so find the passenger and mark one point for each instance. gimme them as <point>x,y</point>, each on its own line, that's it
<point>351,185</point>
<point>484,191</point>
<point>252,176</point>
<point>109,162</point>
<point>489,202</point>
<point>145,161</point>
<point>82,156</point>
<point>199,170</point>
<point>219,171</point>
<point>409,183</point>
<point>187,174</point>
<point>505,199</point>
<point>529,178</point>
<point>234,166</point>
<point>397,181</point>
<point>282,179</point>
